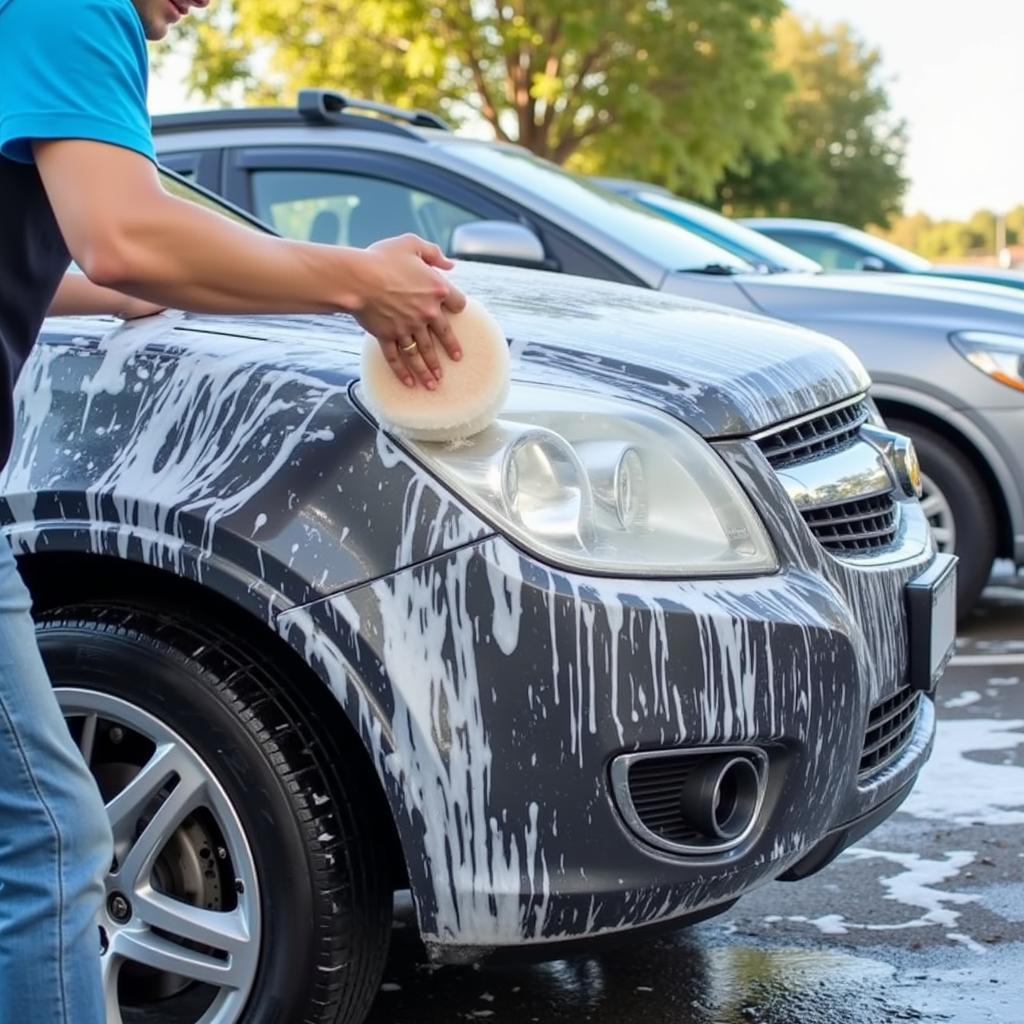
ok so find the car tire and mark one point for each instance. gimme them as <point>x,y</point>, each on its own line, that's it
<point>321,903</point>
<point>960,487</point>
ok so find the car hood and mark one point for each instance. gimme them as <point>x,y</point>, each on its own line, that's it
<point>986,275</point>
<point>948,303</point>
<point>722,372</point>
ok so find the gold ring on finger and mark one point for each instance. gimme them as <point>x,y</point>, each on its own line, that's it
<point>407,348</point>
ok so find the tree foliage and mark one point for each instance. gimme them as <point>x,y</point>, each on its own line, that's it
<point>944,240</point>
<point>674,90</point>
<point>843,158</point>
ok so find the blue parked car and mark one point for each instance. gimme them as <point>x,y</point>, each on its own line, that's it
<point>839,247</point>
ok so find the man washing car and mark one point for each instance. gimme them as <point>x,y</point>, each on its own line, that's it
<point>78,181</point>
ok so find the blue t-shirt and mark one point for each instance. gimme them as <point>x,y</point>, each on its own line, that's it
<point>69,69</point>
<point>72,69</point>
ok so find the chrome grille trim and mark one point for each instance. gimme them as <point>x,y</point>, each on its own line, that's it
<point>841,484</point>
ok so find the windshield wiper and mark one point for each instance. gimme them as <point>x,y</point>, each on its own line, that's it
<point>713,268</point>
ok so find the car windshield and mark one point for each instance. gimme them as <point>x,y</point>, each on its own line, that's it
<point>904,259</point>
<point>741,241</point>
<point>644,231</point>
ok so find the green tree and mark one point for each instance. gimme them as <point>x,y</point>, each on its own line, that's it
<point>671,89</point>
<point>952,239</point>
<point>908,231</point>
<point>1015,225</point>
<point>843,159</point>
<point>982,229</point>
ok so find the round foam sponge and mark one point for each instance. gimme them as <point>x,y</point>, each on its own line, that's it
<point>469,395</point>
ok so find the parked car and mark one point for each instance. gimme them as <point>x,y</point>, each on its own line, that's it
<point>965,490</point>
<point>753,247</point>
<point>331,171</point>
<point>840,247</point>
<point>665,632</point>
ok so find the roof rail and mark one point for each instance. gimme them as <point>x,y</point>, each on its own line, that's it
<point>324,105</point>
<point>265,117</point>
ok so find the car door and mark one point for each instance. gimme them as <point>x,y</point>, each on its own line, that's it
<point>352,197</point>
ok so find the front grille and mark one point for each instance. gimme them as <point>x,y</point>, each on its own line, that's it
<point>890,726</point>
<point>854,527</point>
<point>828,432</point>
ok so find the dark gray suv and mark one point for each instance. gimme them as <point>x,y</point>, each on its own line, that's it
<point>667,631</point>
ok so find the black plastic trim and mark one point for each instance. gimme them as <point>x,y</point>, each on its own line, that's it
<point>826,851</point>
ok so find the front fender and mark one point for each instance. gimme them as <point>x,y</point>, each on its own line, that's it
<point>152,443</point>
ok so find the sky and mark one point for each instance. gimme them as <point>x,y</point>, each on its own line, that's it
<point>955,72</point>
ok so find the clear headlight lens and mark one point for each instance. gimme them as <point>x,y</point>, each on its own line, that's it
<point>605,486</point>
<point>1001,356</point>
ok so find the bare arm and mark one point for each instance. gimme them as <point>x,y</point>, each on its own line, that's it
<point>127,233</point>
<point>78,296</point>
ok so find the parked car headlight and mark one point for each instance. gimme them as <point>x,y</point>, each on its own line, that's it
<point>1001,356</point>
<point>605,486</point>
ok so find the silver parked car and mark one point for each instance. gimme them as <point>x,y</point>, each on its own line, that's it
<point>940,356</point>
<point>956,497</point>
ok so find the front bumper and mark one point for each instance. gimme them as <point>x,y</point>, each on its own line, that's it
<point>826,851</point>
<point>494,692</point>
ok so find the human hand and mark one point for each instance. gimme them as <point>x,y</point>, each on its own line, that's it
<point>404,303</point>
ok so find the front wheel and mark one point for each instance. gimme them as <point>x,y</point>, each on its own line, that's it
<point>959,508</point>
<point>244,886</point>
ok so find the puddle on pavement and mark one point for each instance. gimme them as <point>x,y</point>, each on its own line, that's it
<point>674,981</point>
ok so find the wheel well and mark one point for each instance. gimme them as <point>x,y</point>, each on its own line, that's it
<point>1004,530</point>
<point>57,579</point>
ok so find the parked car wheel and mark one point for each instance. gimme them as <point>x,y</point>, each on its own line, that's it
<point>245,884</point>
<point>958,505</point>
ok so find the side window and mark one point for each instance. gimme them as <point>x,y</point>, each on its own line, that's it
<point>351,209</point>
<point>831,253</point>
<point>184,164</point>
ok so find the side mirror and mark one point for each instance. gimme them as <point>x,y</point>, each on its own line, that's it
<point>499,241</point>
<point>870,263</point>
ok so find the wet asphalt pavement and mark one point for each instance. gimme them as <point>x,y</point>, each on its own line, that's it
<point>923,920</point>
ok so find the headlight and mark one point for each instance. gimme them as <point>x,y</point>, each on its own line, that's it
<point>605,486</point>
<point>1001,356</point>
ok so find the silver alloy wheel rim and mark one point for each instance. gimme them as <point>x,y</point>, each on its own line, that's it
<point>235,933</point>
<point>939,513</point>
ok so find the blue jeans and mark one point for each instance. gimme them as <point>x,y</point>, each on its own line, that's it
<point>55,843</point>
